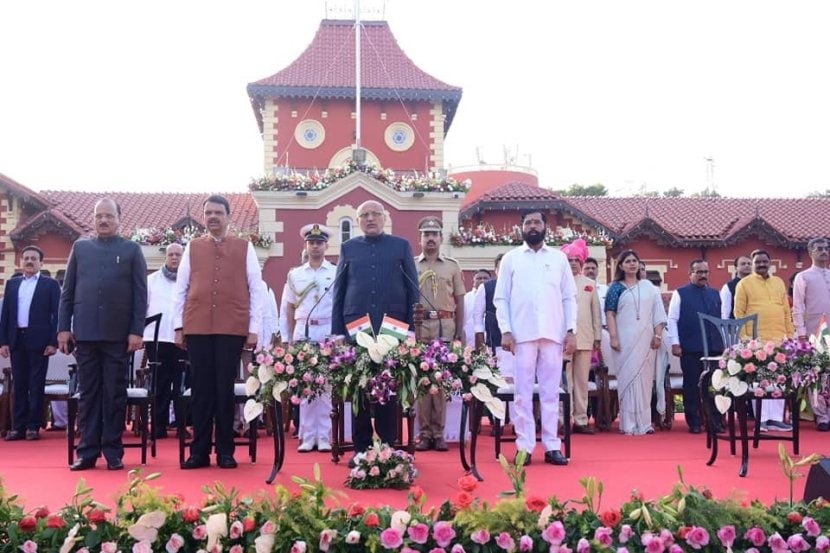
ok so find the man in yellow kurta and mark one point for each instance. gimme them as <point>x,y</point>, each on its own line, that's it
<point>766,295</point>
<point>442,293</point>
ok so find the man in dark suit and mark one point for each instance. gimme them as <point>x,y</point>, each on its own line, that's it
<point>28,331</point>
<point>376,274</point>
<point>102,310</point>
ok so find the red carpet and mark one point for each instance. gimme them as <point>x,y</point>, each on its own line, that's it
<point>38,473</point>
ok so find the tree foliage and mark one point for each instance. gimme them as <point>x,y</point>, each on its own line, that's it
<point>673,192</point>
<point>575,189</point>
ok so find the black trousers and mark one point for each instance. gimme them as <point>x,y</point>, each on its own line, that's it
<point>102,383</point>
<point>214,366</point>
<point>28,379</point>
<point>692,366</point>
<point>385,426</point>
<point>169,374</point>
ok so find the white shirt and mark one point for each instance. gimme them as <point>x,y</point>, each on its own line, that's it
<point>255,291</point>
<point>24,298</point>
<point>270,318</point>
<point>535,294</point>
<point>674,316</point>
<point>320,281</point>
<point>479,310</point>
<point>161,298</point>
<point>284,313</point>
<point>725,302</point>
<point>602,291</point>
<point>469,322</point>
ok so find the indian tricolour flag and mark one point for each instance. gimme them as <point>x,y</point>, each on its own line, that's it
<point>394,327</point>
<point>823,332</point>
<point>363,324</point>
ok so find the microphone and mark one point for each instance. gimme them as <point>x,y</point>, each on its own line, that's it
<point>423,297</point>
<point>323,295</point>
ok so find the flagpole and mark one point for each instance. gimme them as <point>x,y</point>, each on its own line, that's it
<point>357,72</point>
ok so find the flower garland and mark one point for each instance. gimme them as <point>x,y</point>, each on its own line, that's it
<point>486,235</point>
<point>429,182</point>
<point>165,236</point>
<point>382,466</point>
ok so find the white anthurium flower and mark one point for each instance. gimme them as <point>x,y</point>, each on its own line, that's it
<point>387,342</point>
<point>737,387</point>
<point>265,373</point>
<point>733,367</point>
<point>496,407</point>
<point>723,403</point>
<point>217,527</point>
<point>252,409</point>
<point>483,373</point>
<point>481,393</point>
<point>69,541</point>
<point>278,389</point>
<point>498,381</point>
<point>364,340</point>
<point>718,379</point>
<point>377,349</point>
<point>154,519</point>
<point>251,385</point>
<point>400,520</point>
<point>375,353</point>
<point>139,532</point>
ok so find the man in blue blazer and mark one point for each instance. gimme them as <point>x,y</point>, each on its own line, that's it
<point>28,332</point>
<point>376,275</point>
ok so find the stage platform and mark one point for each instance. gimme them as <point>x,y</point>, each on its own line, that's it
<point>37,471</point>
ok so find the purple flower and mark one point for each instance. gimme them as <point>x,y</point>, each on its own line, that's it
<point>797,543</point>
<point>822,544</point>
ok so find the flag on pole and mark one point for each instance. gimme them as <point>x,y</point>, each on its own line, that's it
<point>363,324</point>
<point>394,327</point>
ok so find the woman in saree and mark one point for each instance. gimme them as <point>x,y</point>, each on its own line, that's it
<point>636,319</point>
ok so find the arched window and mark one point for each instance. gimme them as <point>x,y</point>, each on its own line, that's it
<point>345,229</point>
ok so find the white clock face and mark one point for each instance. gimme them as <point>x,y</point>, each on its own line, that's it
<point>309,134</point>
<point>399,137</point>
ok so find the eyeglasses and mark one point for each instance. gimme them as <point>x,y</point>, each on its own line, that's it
<point>367,214</point>
<point>706,272</point>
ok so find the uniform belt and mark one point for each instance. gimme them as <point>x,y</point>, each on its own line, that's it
<point>432,315</point>
<point>315,322</point>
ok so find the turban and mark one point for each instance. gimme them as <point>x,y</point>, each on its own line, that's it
<point>577,248</point>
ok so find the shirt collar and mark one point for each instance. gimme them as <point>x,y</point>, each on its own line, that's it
<point>526,247</point>
<point>423,256</point>
<point>33,277</point>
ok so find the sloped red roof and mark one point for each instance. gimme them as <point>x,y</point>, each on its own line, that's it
<point>518,191</point>
<point>326,70</point>
<point>23,192</point>
<point>148,210</point>
<point>693,220</point>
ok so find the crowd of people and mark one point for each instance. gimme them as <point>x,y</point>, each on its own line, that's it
<point>540,306</point>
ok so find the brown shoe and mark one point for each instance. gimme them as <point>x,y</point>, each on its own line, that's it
<point>425,444</point>
<point>440,445</point>
<point>582,429</point>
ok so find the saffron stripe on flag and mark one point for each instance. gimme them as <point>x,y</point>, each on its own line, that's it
<point>363,324</point>
<point>394,327</point>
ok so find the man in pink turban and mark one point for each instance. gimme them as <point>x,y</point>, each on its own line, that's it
<point>588,335</point>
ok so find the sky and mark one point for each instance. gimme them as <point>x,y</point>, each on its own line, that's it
<point>636,95</point>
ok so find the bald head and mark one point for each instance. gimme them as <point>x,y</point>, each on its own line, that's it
<point>372,217</point>
<point>173,256</point>
<point>107,215</point>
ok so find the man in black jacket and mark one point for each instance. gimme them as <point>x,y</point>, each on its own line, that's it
<point>102,310</point>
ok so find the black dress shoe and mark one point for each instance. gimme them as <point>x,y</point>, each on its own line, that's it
<point>82,464</point>
<point>823,427</point>
<point>15,435</point>
<point>352,462</point>
<point>694,430</point>
<point>582,429</point>
<point>195,462</point>
<point>115,464</point>
<point>226,461</point>
<point>555,458</point>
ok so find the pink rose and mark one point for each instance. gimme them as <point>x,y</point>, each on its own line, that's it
<point>434,550</point>
<point>777,543</point>
<point>675,548</point>
<point>298,547</point>
<point>236,530</point>
<point>326,538</point>
<point>144,546</point>
<point>797,543</point>
<point>726,535</point>
<point>200,532</point>
<point>772,366</point>
<point>109,547</point>
<point>443,533</point>
<point>811,527</point>
<point>236,549</point>
<point>554,533</point>
<point>777,393</point>
<point>822,544</point>
<point>268,528</point>
<point>289,370</point>
<point>746,353</point>
<point>480,536</point>
<point>525,543</point>
<point>374,471</point>
<point>759,392</point>
<point>391,538</point>
<point>583,546</point>
<point>603,535</point>
<point>418,533</point>
<point>457,548</point>
<point>505,541</point>
<point>697,537</point>
<point>780,358</point>
<point>749,368</point>
<point>174,543</point>
<point>29,547</point>
<point>761,355</point>
<point>755,536</point>
<point>652,543</point>
<point>625,533</point>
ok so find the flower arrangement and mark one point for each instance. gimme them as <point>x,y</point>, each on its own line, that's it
<point>301,371</point>
<point>766,369</point>
<point>311,518</point>
<point>487,235</point>
<point>429,182</point>
<point>382,466</point>
<point>165,236</point>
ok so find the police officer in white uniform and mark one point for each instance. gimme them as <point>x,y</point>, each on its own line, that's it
<point>308,286</point>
